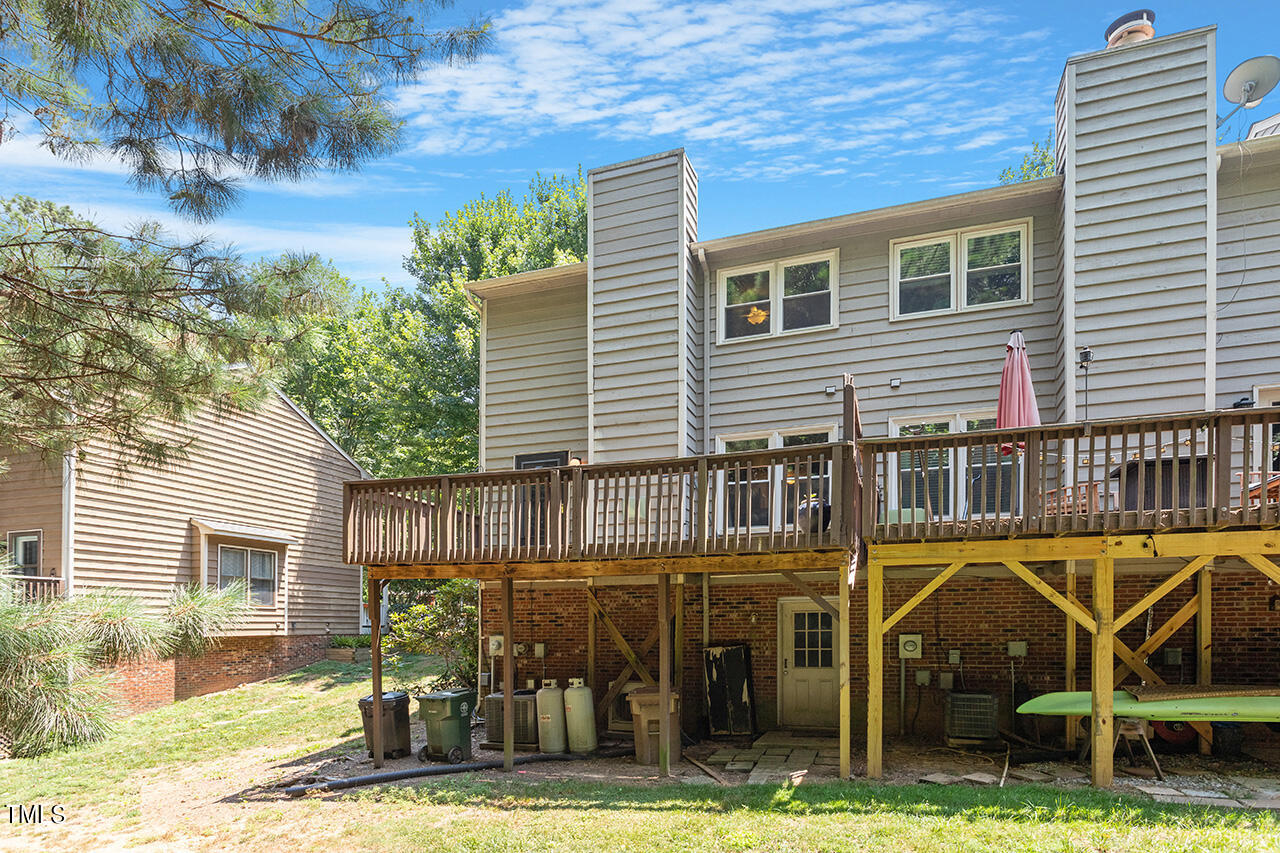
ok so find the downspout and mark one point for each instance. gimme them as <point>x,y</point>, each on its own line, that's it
<point>706,350</point>
<point>284,579</point>
<point>68,521</point>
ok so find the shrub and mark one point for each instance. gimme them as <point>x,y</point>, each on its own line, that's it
<point>445,623</point>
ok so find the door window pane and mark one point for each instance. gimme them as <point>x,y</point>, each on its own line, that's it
<point>262,577</point>
<point>924,477</point>
<point>989,470</point>
<point>812,639</point>
<point>747,492</point>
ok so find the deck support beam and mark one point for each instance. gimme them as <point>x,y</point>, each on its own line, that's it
<point>1072,723</point>
<point>824,605</point>
<point>842,656</point>
<point>664,675</point>
<point>1204,638</point>
<point>375,664</point>
<point>1102,731</point>
<point>875,669</point>
<point>508,675</point>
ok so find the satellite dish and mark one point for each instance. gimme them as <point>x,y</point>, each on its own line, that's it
<point>1250,82</point>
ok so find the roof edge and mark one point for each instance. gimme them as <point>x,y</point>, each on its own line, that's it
<point>1041,186</point>
<point>532,280</point>
<point>320,430</point>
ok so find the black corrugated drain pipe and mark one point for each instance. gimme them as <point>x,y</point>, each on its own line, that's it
<point>446,769</point>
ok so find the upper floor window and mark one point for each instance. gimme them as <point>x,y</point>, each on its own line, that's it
<point>960,270</point>
<point>778,297</point>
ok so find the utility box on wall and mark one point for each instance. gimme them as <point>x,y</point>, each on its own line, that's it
<point>910,646</point>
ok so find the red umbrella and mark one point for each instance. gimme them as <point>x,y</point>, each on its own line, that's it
<point>1017,406</point>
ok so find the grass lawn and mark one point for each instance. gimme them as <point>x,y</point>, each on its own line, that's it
<point>194,776</point>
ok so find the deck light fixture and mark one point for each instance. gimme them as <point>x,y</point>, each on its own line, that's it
<point>1086,359</point>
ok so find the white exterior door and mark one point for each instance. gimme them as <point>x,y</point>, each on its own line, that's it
<point>809,682</point>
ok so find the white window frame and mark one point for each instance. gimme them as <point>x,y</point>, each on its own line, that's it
<point>774,268</point>
<point>957,238</point>
<point>961,462</point>
<point>774,438</point>
<point>1264,396</point>
<point>9,538</point>
<point>248,569</point>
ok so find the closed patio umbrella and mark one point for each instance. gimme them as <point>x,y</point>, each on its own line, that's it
<point>1017,405</point>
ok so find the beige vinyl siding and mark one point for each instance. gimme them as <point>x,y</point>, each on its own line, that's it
<point>535,374</point>
<point>636,269</point>
<point>266,469</point>
<point>31,499</point>
<point>1248,276</point>
<point>947,363</point>
<point>1142,155</point>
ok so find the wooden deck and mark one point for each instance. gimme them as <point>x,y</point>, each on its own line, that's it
<point>1202,471</point>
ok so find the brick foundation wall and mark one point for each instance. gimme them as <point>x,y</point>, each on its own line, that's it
<point>237,660</point>
<point>978,616</point>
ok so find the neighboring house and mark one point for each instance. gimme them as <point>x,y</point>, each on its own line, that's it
<point>1153,246</point>
<point>257,498</point>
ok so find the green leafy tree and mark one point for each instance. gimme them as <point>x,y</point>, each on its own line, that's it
<point>56,690</point>
<point>107,333</point>
<point>396,378</point>
<point>1039,162</point>
<point>445,623</point>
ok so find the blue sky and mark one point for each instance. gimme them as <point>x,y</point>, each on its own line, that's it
<point>790,111</point>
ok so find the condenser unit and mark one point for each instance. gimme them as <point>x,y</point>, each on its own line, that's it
<point>971,717</point>
<point>526,720</point>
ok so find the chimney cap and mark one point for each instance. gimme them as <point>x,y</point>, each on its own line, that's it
<point>1144,18</point>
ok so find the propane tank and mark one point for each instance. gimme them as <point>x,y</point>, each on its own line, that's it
<point>551,731</point>
<point>580,717</point>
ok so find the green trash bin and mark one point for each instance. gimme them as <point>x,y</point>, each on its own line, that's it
<point>447,714</point>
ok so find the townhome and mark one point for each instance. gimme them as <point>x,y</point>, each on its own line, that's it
<point>257,499</point>
<point>786,440</point>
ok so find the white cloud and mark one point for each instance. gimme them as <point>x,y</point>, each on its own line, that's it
<point>804,78</point>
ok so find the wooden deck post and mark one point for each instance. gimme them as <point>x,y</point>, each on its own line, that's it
<point>1072,723</point>
<point>1204,638</point>
<point>875,669</point>
<point>678,663</point>
<point>508,675</point>
<point>591,642</point>
<point>375,664</point>
<point>842,655</point>
<point>664,674</point>
<point>1102,731</point>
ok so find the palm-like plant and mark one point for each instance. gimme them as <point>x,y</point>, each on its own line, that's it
<point>55,684</point>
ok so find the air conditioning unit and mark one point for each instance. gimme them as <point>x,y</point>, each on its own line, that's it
<point>526,719</point>
<point>619,721</point>
<point>971,718</point>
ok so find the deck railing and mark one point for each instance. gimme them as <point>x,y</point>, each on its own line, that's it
<point>31,588</point>
<point>790,499</point>
<point>1198,470</point>
<point>1206,470</point>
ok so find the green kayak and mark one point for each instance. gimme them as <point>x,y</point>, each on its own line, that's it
<point>1240,709</point>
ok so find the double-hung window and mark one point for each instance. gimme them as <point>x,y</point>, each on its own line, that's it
<point>961,270</point>
<point>926,480</point>
<point>779,297</point>
<point>746,492</point>
<point>254,567</point>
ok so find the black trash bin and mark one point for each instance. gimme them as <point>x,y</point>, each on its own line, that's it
<point>395,723</point>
